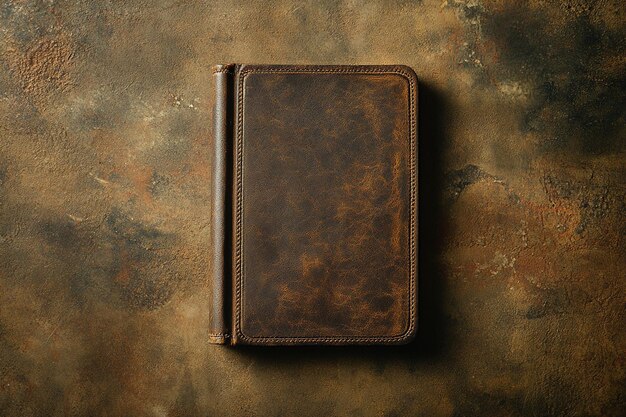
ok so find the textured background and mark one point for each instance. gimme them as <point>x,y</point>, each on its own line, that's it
<point>104,220</point>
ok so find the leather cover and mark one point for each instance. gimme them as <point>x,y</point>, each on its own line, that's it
<point>314,205</point>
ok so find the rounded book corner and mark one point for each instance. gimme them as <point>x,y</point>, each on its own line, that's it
<point>408,336</point>
<point>409,71</point>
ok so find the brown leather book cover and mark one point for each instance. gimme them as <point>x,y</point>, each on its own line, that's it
<point>314,205</point>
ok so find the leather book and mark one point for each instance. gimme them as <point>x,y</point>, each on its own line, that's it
<point>314,205</point>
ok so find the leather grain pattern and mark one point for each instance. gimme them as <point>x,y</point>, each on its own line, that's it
<point>221,122</point>
<point>325,205</point>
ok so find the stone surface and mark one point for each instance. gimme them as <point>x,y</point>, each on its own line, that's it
<point>104,223</point>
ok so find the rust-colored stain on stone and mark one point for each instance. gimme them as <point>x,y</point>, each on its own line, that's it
<point>42,68</point>
<point>104,209</point>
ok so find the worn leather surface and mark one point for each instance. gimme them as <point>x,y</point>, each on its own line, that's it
<point>221,143</point>
<point>325,205</point>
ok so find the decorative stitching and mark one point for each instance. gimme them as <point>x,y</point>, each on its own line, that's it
<point>239,278</point>
<point>219,71</point>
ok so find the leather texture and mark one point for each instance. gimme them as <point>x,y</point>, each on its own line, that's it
<point>324,220</point>
<point>222,121</point>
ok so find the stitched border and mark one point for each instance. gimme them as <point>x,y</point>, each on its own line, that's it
<point>239,278</point>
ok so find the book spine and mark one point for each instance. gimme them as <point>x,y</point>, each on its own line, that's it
<point>219,323</point>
